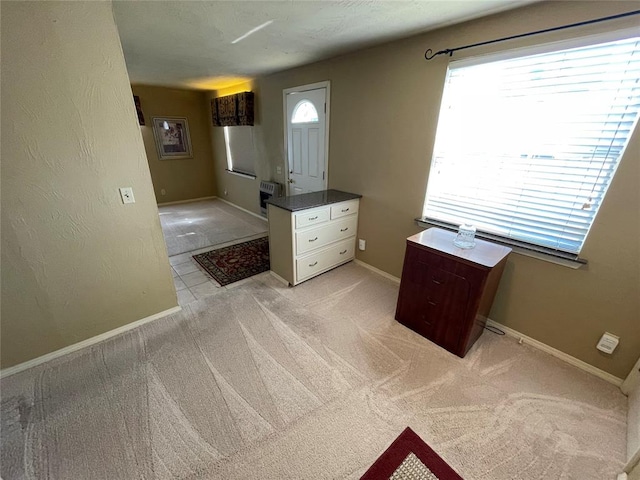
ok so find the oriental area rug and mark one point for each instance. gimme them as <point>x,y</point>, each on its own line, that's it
<point>409,458</point>
<point>237,262</point>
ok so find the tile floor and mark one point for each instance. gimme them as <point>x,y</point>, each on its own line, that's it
<point>192,282</point>
<point>201,223</point>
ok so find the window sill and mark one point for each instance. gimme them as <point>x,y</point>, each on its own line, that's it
<point>241,174</point>
<point>517,247</point>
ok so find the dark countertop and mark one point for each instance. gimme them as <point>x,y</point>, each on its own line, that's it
<point>311,200</point>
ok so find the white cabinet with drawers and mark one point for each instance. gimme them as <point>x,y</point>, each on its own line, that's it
<point>306,242</point>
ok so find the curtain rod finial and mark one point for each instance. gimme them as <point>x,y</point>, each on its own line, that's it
<point>428,55</point>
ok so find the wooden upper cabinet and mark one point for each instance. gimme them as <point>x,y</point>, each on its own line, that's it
<point>446,292</point>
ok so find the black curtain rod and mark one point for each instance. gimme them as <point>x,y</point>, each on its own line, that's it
<point>429,53</point>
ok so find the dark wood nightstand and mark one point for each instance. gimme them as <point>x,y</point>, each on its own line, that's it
<point>446,292</point>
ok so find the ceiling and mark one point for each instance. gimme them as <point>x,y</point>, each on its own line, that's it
<point>189,43</point>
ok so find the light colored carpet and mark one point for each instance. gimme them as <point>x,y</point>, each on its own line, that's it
<point>204,223</point>
<point>313,382</point>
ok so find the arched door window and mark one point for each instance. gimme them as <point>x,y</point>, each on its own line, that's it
<point>304,112</point>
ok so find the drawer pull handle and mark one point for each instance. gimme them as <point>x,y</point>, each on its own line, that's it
<point>344,229</point>
<point>343,252</point>
<point>313,264</point>
<point>313,239</point>
<point>437,282</point>
<point>433,303</point>
<point>313,218</point>
<point>344,210</point>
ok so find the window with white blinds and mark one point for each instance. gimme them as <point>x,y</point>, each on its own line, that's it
<point>241,150</point>
<point>527,147</point>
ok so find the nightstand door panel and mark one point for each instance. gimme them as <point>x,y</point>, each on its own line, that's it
<point>416,309</point>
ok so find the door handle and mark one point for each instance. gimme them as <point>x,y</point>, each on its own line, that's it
<point>290,180</point>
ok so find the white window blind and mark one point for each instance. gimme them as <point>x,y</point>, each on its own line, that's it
<point>526,147</point>
<point>241,150</point>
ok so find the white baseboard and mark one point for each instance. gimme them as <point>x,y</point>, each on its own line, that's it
<point>6,372</point>
<point>165,204</point>
<point>243,209</point>
<point>377,270</point>
<point>558,354</point>
<point>632,379</point>
<point>279,278</point>
<point>633,462</point>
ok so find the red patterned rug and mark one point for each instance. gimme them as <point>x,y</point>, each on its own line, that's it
<point>409,458</point>
<point>230,264</point>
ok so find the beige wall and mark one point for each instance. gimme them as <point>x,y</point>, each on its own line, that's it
<point>236,189</point>
<point>187,178</point>
<point>384,111</point>
<point>76,262</point>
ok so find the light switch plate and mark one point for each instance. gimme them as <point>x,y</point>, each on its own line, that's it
<point>126,193</point>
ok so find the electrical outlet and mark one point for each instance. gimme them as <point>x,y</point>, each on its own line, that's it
<point>362,244</point>
<point>163,192</point>
<point>126,193</point>
<point>608,343</point>
<point>226,193</point>
<point>278,169</point>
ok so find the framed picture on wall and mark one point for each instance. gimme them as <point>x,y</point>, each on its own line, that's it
<point>172,137</point>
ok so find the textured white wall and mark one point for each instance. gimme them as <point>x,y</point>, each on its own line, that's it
<point>76,262</point>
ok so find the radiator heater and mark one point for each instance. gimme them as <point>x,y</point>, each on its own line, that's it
<point>268,190</point>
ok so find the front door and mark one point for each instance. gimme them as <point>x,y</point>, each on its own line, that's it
<point>306,140</point>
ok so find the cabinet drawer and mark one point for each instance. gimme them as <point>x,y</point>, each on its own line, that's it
<point>325,259</point>
<point>441,262</point>
<point>313,217</point>
<point>345,208</point>
<point>317,237</point>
